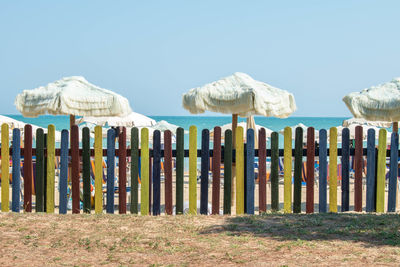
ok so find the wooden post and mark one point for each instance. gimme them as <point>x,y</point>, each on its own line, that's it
<point>111,172</point>
<point>216,173</point>
<point>156,171</point>
<point>240,171</point>
<point>380,185</point>
<point>310,170</point>
<point>333,170</point>
<point>262,170</point>
<point>227,171</point>
<point>75,168</point>
<point>358,159</point>
<point>28,168</point>
<point>287,168</point>
<point>134,170</point>
<point>64,171</point>
<point>322,170</point>
<point>394,147</point>
<point>205,162</point>
<point>39,183</point>
<point>50,168</point>
<point>16,170</point>
<point>345,170</point>
<point>250,171</point>
<point>144,196</point>
<point>168,171</point>
<point>5,162</point>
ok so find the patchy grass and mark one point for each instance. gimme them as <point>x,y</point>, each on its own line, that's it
<point>272,239</point>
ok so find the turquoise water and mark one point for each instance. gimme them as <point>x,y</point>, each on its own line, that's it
<point>202,122</point>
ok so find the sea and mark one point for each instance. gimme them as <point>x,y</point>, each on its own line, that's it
<point>203,122</point>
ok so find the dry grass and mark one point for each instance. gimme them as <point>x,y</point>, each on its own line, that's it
<point>270,239</point>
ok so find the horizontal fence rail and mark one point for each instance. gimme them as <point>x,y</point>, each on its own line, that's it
<point>86,178</point>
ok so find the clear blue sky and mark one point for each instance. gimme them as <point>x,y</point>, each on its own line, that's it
<point>154,51</point>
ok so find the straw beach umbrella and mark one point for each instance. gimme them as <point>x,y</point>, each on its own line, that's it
<point>240,95</point>
<point>73,96</point>
<point>377,103</point>
<point>363,122</point>
<point>133,119</point>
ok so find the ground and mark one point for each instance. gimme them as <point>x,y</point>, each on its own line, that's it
<point>268,239</point>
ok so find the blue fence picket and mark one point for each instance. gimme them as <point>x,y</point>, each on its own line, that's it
<point>110,170</point>
<point>371,172</point>
<point>205,166</point>
<point>345,169</point>
<point>250,172</point>
<point>16,170</point>
<point>64,171</point>
<point>322,170</point>
<point>156,171</point>
<point>393,173</point>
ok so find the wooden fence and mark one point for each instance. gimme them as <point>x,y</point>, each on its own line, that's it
<point>237,158</point>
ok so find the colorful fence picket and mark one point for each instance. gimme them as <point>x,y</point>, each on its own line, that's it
<point>81,170</point>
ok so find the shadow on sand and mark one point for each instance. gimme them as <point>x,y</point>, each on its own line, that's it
<point>370,229</point>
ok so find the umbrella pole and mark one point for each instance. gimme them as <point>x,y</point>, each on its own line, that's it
<point>395,127</point>
<point>71,121</point>
<point>251,124</point>
<point>233,183</point>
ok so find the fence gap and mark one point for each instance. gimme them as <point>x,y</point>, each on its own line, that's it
<point>98,165</point>
<point>298,162</point>
<point>371,172</point>
<point>86,170</point>
<point>274,171</point>
<point>193,170</point>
